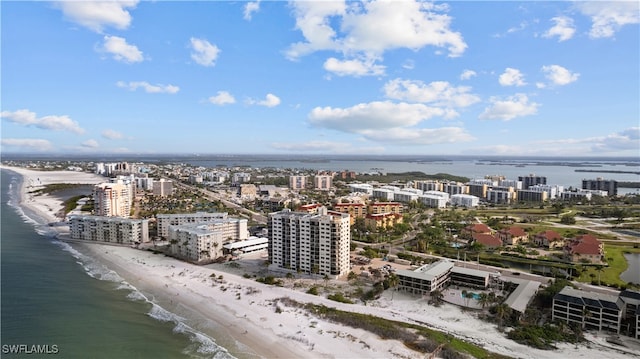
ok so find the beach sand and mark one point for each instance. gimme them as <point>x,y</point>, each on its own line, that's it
<point>247,314</point>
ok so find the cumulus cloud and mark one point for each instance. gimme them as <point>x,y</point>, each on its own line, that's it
<point>147,87</point>
<point>96,15</point>
<point>558,75</point>
<point>222,98</point>
<point>270,100</point>
<point>368,29</point>
<point>120,50</point>
<point>374,115</point>
<point>563,28</point>
<point>90,144</point>
<point>467,74</point>
<point>439,93</point>
<point>511,77</point>
<point>355,67</point>
<point>203,52</point>
<point>33,144</point>
<point>419,136</point>
<point>509,108</point>
<point>56,123</point>
<point>112,135</point>
<point>608,17</point>
<point>250,8</point>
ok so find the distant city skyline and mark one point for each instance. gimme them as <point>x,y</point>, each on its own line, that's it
<point>321,77</point>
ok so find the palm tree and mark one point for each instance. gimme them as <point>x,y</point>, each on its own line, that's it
<point>502,312</point>
<point>483,299</point>
<point>436,297</point>
<point>393,281</point>
<point>465,296</point>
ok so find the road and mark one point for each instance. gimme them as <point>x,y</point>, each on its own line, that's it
<point>215,196</point>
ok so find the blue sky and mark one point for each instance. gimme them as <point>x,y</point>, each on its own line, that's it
<point>321,77</point>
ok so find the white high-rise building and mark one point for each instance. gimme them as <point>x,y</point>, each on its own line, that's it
<point>202,242</point>
<point>112,199</point>
<point>162,187</point>
<point>310,243</point>
<point>109,229</point>
<point>178,219</point>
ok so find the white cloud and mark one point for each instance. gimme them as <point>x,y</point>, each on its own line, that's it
<point>564,28</point>
<point>134,85</point>
<point>467,74</point>
<point>419,136</point>
<point>440,93</point>
<point>270,100</point>
<point>204,53</point>
<point>609,16</point>
<point>511,77</point>
<point>558,75</point>
<point>56,123</point>
<point>112,135</point>
<point>27,143</point>
<point>372,116</point>
<point>96,15</point>
<point>250,8</point>
<point>624,141</point>
<point>368,29</point>
<point>121,50</point>
<point>356,68</point>
<point>90,144</point>
<point>222,98</point>
<point>510,108</point>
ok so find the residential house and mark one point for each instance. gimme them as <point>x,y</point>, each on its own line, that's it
<point>549,239</point>
<point>513,236</point>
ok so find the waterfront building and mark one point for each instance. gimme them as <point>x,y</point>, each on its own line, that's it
<point>109,229</point>
<point>177,219</point>
<point>629,301</point>
<point>322,182</point>
<point>479,187</point>
<point>470,277</point>
<point>589,310</point>
<point>310,243</point>
<point>250,245</point>
<point>162,187</point>
<point>297,183</point>
<point>464,200</point>
<point>203,242</point>
<point>426,279</point>
<point>112,200</point>
<point>531,180</point>
<point>553,191</point>
<point>611,186</point>
<point>510,183</point>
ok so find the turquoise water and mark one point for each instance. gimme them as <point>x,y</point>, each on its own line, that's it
<point>53,295</point>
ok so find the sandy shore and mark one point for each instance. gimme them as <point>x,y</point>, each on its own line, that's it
<point>245,316</point>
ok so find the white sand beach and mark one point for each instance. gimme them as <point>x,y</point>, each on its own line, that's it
<point>249,312</point>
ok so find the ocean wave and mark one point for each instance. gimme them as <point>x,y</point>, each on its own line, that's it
<point>203,345</point>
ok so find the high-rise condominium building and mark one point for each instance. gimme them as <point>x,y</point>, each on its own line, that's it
<point>310,243</point>
<point>112,199</point>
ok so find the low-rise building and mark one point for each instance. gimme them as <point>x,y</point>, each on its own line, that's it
<point>382,220</point>
<point>584,248</point>
<point>176,219</point>
<point>464,200</point>
<point>549,239</point>
<point>355,210</point>
<point>513,235</point>
<point>203,242</point>
<point>589,310</point>
<point>426,279</point>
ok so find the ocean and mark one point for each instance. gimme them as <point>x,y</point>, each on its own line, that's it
<point>57,301</point>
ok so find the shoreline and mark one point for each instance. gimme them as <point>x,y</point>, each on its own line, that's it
<point>245,315</point>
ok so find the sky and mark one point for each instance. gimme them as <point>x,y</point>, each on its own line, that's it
<point>529,78</point>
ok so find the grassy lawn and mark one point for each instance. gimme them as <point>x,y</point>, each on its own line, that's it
<point>617,265</point>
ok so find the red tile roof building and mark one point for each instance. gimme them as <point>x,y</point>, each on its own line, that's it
<point>513,236</point>
<point>585,248</point>
<point>550,239</point>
